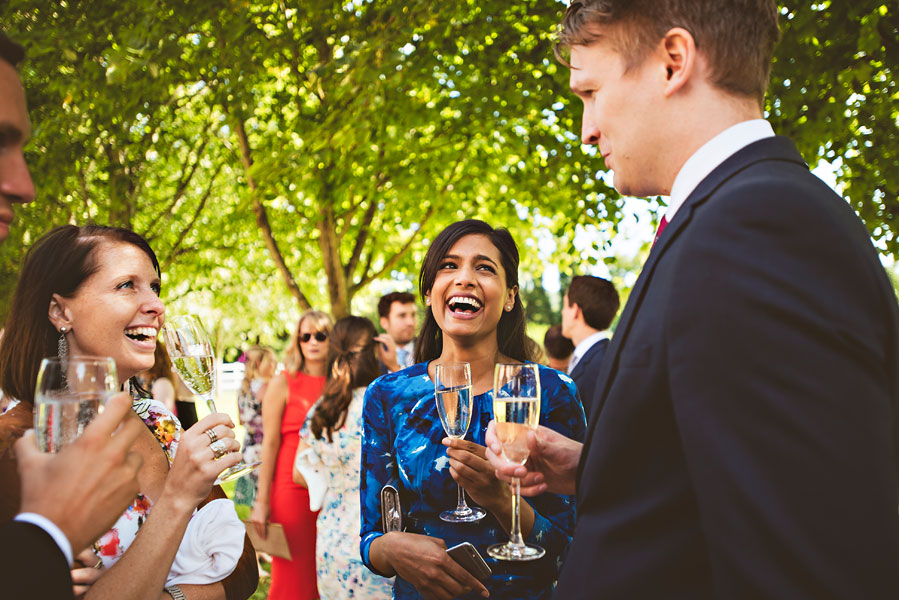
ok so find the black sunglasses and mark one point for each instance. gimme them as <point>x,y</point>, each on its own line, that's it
<point>320,336</point>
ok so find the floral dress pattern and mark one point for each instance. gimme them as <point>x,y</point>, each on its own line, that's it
<point>340,571</point>
<point>401,445</point>
<point>249,405</point>
<point>167,430</point>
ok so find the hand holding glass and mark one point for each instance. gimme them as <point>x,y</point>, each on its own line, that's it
<point>192,357</point>
<point>452,388</point>
<point>70,392</point>
<point>516,410</point>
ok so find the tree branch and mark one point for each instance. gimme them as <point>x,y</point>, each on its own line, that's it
<point>193,220</point>
<point>262,216</point>
<point>183,182</point>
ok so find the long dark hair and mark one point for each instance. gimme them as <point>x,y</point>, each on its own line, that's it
<point>510,333</point>
<point>348,369</point>
<point>58,263</point>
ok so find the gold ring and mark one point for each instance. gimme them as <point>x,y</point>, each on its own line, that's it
<point>212,436</point>
<point>99,564</point>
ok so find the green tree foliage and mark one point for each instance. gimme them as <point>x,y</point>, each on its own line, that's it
<point>282,155</point>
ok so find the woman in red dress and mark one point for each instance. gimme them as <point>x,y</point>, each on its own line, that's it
<point>278,498</point>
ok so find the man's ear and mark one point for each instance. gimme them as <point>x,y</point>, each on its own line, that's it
<point>680,59</point>
<point>578,313</point>
<point>58,314</point>
<point>383,321</point>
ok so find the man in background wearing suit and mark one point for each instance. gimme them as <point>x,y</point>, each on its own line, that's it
<point>398,317</point>
<point>71,498</point>
<point>588,308</point>
<point>744,441</point>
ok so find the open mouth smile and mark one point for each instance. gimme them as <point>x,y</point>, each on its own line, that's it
<point>464,307</point>
<point>142,334</point>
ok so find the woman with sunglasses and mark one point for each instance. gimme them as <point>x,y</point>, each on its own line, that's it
<point>278,498</point>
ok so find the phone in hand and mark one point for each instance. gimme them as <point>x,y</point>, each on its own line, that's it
<point>468,556</point>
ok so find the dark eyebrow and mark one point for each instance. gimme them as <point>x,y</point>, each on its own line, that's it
<point>478,257</point>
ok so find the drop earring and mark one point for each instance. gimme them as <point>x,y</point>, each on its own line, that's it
<point>62,346</point>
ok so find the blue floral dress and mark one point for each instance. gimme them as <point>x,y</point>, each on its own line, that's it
<point>401,445</point>
<point>340,572</point>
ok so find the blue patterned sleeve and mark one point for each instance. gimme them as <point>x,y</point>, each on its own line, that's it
<point>378,467</point>
<point>555,514</point>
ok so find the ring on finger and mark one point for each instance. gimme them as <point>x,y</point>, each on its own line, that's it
<point>99,564</point>
<point>212,436</point>
<point>218,448</point>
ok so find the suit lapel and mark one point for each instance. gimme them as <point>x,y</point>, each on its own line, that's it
<point>774,148</point>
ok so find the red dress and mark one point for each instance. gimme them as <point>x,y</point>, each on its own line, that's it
<point>294,579</point>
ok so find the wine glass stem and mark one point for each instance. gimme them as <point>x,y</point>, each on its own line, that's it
<point>515,535</point>
<point>461,505</point>
<point>210,402</point>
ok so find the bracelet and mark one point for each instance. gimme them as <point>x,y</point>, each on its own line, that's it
<point>175,592</point>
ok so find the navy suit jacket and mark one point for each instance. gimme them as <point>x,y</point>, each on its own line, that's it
<point>31,564</point>
<point>586,373</point>
<point>743,441</point>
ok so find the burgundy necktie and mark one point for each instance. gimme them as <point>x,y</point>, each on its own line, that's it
<point>662,224</point>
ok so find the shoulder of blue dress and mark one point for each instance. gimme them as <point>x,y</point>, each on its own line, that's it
<point>416,370</point>
<point>550,377</point>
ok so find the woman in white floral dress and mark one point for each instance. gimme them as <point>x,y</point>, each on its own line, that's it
<point>331,444</point>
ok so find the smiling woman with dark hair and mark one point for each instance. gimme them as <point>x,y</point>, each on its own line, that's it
<point>469,281</point>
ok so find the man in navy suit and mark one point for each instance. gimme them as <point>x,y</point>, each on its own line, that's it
<point>71,498</point>
<point>744,441</point>
<point>588,308</point>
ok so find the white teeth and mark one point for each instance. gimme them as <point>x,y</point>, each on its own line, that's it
<point>149,332</point>
<point>466,300</point>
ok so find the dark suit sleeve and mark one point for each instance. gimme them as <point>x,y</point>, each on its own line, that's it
<point>31,564</point>
<point>782,373</point>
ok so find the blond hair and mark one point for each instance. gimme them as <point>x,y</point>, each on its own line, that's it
<point>294,359</point>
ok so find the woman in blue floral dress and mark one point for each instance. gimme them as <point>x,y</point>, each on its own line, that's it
<point>331,444</point>
<point>469,280</point>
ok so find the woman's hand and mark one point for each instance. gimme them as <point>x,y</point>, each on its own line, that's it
<point>422,561</point>
<point>259,518</point>
<point>470,468</point>
<point>196,468</point>
<point>84,572</point>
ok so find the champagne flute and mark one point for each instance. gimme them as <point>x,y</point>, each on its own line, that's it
<point>452,389</point>
<point>70,392</point>
<point>193,358</point>
<point>516,410</point>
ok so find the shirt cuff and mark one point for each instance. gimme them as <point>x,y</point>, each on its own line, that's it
<point>365,546</point>
<point>52,530</point>
<point>540,530</point>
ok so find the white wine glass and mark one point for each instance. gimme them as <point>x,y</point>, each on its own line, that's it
<point>516,410</point>
<point>452,389</point>
<point>193,358</point>
<point>70,392</point>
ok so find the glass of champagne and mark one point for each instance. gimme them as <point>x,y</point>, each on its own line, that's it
<point>190,349</point>
<point>452,388</point>
<point>70,392</point>
<point>516,410</point>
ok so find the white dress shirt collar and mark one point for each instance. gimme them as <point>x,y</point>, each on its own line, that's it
<point>581,349</point>
<point>710,155</point>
